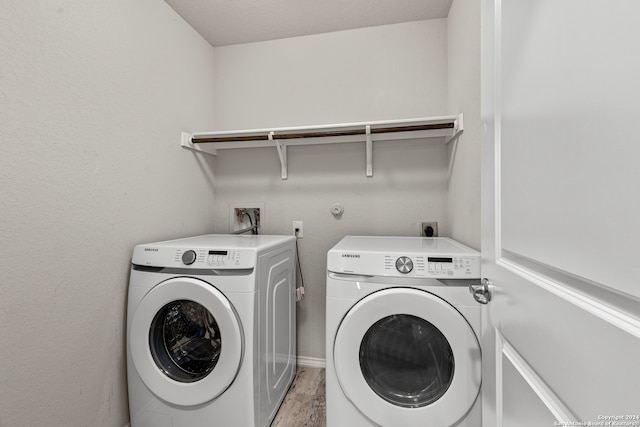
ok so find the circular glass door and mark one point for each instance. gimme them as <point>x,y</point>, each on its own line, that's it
<point>406,354</point>
<point>406,361</point>
<point>186,341</point>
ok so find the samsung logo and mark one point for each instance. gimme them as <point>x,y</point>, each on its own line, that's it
<point>350,256</point>
<point>151,249</point>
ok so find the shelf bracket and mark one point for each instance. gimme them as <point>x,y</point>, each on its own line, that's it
<point>282,154</point>
<point>186,142</point>
<point>369,153</point>
<point>458,128</point>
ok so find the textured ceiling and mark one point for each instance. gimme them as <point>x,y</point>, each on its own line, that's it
<point>227,22</point>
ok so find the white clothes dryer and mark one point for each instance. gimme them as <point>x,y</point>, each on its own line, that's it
<point>402,333</point>
<point>211,330</point>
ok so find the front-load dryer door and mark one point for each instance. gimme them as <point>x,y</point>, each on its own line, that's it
<point>406,357</point>
<point>186,341</point>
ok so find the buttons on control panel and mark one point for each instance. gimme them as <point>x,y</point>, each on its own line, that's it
<point>450,266</point>
<point>212,258</point>
<point>425,266</point>
<point>223,258</point>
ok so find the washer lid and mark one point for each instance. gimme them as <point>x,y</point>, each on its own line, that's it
<point>406,357</point>
<point>186,341</point>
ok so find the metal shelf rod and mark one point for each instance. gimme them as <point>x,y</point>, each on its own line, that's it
<point>300,135</point>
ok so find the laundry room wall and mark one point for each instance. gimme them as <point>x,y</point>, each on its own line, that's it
<point>388,72</point>
<point>93,96</point>
<point>463,95</point>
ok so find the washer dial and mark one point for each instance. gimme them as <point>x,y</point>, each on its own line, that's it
<point>404,264</point>
<point>189,257</point>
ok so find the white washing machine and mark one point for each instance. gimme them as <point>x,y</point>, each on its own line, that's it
<point>211,331</point>
<point>402,333</point>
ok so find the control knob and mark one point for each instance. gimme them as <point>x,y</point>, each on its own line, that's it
<point>189,257</point>
<point>404,264</point>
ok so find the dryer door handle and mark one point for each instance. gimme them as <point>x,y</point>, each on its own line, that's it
<point>348,277</point>
<point>481,292</point>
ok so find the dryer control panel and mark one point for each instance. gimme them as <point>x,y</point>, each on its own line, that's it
<point>437,267</point>
<point>437,258</point>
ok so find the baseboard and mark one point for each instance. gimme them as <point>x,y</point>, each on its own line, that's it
<point>312,362</point>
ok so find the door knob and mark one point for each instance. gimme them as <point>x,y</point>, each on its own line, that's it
<point>481,292</point>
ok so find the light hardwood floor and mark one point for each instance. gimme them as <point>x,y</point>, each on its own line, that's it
<point>304,405</point>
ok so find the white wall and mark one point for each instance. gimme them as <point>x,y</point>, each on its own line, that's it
<point>464,96</point>
<point>93,98</point>
<point>389,72</point>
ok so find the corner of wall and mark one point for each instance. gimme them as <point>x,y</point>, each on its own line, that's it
<point>463,96</point>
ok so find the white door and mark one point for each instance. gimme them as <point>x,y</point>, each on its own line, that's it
<point>561,212</point>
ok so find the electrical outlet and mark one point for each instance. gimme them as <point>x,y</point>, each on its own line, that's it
<point>429,229</point>
<point>297,225</point>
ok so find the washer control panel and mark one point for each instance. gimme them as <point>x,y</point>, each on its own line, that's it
<point>209,258</point>
<point>194,257</point>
